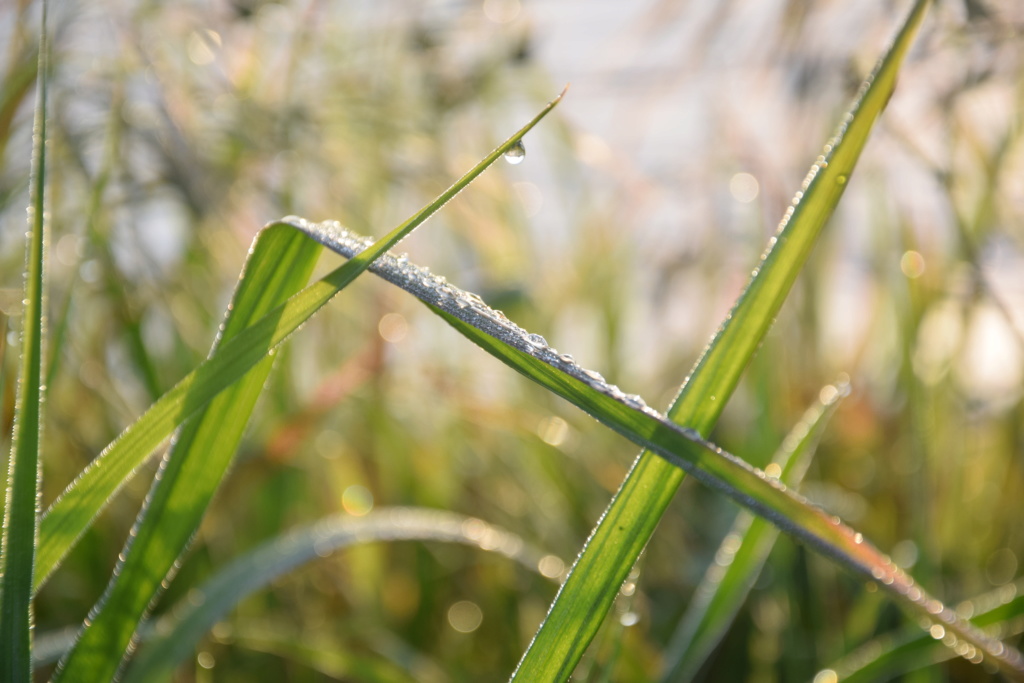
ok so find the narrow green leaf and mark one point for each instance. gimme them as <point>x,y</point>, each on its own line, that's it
<point>743,552</point>
<point>21,505</point>
<point>627,525</point>
<point>192,468</point>
<point>682,448</point>
<point>108,632</point>
<point>176,636</point>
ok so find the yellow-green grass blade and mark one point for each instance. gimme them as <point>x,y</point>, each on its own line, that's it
<point>764,495</point>
<point>177,635</point>
<point>21,503</point>
<point>743,552</point>
<point>72,513</point>
<point>628,523</point>
<point>192,468</point>
<point>109,630</point>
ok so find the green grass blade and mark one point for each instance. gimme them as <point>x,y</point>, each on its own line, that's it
<point>887,657</point>
<point>21,506</point>
<point>762,495</point>
<point>73,512</point>
<point>628,523</point>
<point>681,448</point>
<point>176,636</point>
<point>108,633</point>
<point>193,467</point>
<point>742,554</point>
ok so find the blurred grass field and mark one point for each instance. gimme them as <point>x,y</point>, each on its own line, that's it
<point>179,130</point>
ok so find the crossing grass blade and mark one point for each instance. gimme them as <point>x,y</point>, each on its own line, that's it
<point>681,448</point>
<point>189,475</point>
<point>73,512</point>
<point>628,523</point>
<point>751,488</point>
<point>192,468</point>
<point>743,552</point>
<point>21,505</point>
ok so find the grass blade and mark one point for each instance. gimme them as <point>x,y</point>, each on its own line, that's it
<point>72,513</point>
<point>628,523</point>
<point>21,507</point>
<point>192,468</point>
<point>176,636</point>
<point>741,556</point>
<point>680,448</point>
<point>886,657</point>
<point>110,628</point>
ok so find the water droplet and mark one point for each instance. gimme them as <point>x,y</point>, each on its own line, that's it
<point>841,180</point>
<point>634,400</point>
<point>536,340</point>
<point>516,153</point>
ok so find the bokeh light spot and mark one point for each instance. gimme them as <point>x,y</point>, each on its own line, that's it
<point>393,327</point>
<point>357,500</point>
<point>912,264</point>
<point>201,46</point>
<point>744,187</point>
<point>553,430</point>
<point>465,616</point>
<point>551,566</point>
<point>501,11</point>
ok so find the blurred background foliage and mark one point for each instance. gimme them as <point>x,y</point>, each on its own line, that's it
<point>181,128</point>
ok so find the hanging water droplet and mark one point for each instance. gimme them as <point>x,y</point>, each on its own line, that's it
<point>516,153</point>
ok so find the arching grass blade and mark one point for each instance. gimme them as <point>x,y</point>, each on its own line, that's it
<point>192,471</point>
<point>681,448</point>
<point>176,636</point>
<point>72,513</point>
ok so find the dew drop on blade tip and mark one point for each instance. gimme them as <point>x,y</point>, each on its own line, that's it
<point>516,153</point>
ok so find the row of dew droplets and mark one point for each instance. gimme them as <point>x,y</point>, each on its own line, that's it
<point>942,622</point>
<point>466,306</point>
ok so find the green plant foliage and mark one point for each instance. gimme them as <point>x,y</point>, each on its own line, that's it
<point>172,132</point>
<point>21,500</point>
<point>743,552</point>
<point>259,318</point>
<point>177,635</point>
<point>685,450</point>
<point>631,518</point>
